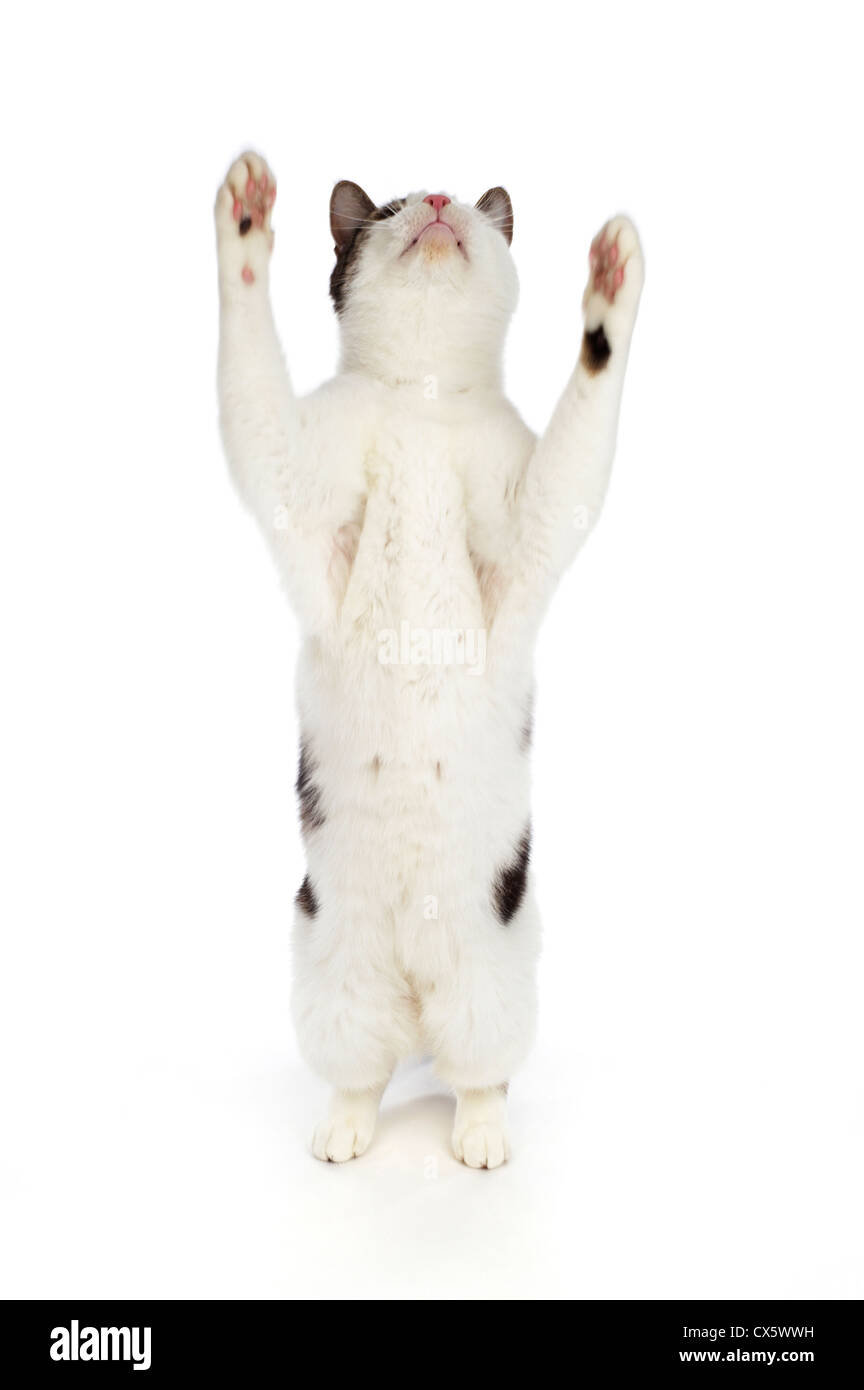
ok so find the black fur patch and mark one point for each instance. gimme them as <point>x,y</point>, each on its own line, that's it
<point>595,350</point>
<point>306,899</point>
<point>508,886</point>
<point>347,255</point>
<point>308,795</point>
<point>245,225</point>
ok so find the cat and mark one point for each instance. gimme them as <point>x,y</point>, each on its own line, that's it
<point>419,528</point>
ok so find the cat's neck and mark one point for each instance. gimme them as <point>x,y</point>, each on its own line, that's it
<point>428,376</point>
<point>436,374</point>
<point>430,354</point>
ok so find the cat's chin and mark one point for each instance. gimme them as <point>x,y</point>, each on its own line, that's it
<point>437,242</point>
<point>437,231</point>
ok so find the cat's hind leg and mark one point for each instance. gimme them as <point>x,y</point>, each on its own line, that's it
<point>354,1014</point>
<point>479,1023</point>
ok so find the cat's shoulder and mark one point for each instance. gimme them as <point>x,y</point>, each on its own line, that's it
<point>347,394</point>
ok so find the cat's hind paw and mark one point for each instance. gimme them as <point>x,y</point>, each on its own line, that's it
<point>335,1141</point>
<point>480,1135</point>
<point>244,205</point>
<point>482,1146</point>
<point>348,1128</point>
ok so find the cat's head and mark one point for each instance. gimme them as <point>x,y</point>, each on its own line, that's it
<point>423,283</point>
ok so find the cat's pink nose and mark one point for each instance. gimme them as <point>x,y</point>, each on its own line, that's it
<point>437,201</point>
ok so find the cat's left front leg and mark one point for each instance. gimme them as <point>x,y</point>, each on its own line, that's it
<point>566,479</point>
<point>260,420</point>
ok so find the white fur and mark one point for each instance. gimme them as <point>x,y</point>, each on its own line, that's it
<point>480,1135</point>
<point>408,491</point>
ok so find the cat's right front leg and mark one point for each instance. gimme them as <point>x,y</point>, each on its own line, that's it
<point>258,412</point>
<point>273,450</point>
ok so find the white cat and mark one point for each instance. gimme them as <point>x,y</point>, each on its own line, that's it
<point>420,529</point>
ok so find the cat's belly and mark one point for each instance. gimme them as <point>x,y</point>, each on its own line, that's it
<point>411,836</point>
<point>421,776</point>
<point>415,742</point>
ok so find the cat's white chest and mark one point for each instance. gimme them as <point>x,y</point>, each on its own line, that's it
<point>412,564</point>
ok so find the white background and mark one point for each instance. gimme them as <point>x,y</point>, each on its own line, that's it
<point>691,1122</point>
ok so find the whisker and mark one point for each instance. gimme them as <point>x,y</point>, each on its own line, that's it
<point>361,221</point>
<point>394,207</point>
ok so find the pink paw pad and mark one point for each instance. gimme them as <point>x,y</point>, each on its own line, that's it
<point>248,275</point>
<point>252,208</point>
<point>607,276</point>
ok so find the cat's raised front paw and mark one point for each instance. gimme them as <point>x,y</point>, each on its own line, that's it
<point>243,207</point>
<point>615,274</point>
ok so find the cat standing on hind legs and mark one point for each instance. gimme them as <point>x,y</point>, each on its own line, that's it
<point>419,528</point>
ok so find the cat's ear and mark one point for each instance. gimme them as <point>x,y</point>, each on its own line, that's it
<point>349,210</point>
<point>497,206</point>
